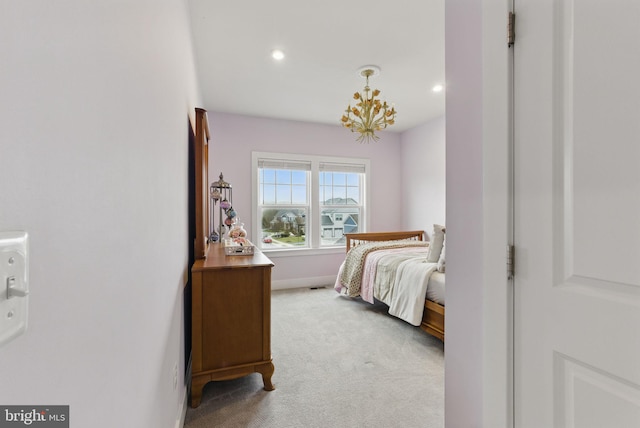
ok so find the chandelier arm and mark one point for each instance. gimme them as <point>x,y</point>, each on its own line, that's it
<point>378,125</point>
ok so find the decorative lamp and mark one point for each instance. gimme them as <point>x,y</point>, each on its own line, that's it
<point>219,191</point>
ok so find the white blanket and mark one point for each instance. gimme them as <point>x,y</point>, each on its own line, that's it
<point>410,289</point>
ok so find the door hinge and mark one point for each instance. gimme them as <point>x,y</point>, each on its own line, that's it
<point>511,30</point>
<point>510,261</point>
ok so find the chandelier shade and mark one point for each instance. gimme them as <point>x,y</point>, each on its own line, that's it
<point>369,114</point>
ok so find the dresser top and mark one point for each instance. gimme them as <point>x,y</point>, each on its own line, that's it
<point>217,259</point>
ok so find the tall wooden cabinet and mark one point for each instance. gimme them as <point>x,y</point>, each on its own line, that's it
<point>231,319</point>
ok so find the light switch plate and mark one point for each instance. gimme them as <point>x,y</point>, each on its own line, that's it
<point>14,285</point>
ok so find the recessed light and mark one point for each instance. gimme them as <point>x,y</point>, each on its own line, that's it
<point>277,54</point>
<point>437,88</point>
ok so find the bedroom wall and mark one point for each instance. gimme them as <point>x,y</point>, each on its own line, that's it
<point>423,176</point>
<point>478,359</point>
<point>234,137</point>
<point>93,164</point>
<point>463,319</point>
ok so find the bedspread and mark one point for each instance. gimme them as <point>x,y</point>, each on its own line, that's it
<point>374,280</point>
<point>350,277</point>
<point>396,275</point>
<point>387,267</point>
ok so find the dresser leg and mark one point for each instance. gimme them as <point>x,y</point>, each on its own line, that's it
<point>267,371</point>
<point>196,391</point>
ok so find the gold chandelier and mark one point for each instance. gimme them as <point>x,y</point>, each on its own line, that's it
<point>369,114</point>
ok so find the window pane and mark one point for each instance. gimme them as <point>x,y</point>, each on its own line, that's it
<point>340,188</point>
<point>283,228</point>
<point>299,177</point>
<point>285,187</point>
<point>269,176</point>
<point>268,194</point>
<point>283,176</point>
<point>353,195</point>
<point>339,179</point>
<point>283,194</point>
<point>299,195</point>
<point>325,194</point>
<point>328,178</point>
<point>339,195</point>
<point>335,222</point>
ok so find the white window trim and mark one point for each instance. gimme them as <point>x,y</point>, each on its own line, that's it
<point>314,227</point>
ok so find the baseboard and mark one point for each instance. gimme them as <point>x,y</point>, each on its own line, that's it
<point>182,413</point>
<point>315,281</point>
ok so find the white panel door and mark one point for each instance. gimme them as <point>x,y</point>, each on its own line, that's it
<point>577,213</point>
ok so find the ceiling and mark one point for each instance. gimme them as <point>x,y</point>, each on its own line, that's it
<point>325,43</point>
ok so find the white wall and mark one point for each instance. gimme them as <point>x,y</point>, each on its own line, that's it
<point>423,176</point>
<point>477,361</point>
<point>93,164</point>
<point>234,137</point>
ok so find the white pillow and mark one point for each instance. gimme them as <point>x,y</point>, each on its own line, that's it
<point>435,246</point>
<point>440,267</point>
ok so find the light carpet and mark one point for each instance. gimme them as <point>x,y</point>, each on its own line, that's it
<point>339,362</point>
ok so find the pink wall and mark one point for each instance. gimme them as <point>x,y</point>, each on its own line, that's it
<point>234,137</point>
<point>464,317</point>
<point>423,176</point>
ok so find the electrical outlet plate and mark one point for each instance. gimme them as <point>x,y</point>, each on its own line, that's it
<point>14,285</point>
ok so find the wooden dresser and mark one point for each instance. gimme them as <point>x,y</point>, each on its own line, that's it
<point>231,319</point>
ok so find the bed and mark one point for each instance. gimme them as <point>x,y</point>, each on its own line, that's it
<point>393,267</point>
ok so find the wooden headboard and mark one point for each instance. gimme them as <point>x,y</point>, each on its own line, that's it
<point>354,239</point>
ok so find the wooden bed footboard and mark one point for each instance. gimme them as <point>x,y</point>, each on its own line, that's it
<point>433,316</point>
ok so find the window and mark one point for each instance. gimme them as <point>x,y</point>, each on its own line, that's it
<point>307,202</point>
<point>283,202</point>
